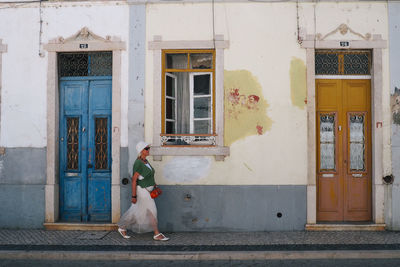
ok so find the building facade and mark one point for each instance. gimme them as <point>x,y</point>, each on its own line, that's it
<point>393,212</point>
<point>262,116</point>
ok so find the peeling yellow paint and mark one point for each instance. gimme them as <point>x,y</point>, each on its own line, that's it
<point>298,83</point>
<point>245,106</point>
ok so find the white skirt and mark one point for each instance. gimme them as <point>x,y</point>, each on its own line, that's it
<point>142,216</point>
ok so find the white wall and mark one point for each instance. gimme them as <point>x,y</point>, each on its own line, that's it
<point>23,114</point>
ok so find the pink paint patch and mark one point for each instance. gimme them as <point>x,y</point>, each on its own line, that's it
<point>234,96</point>
<point>253,98</point>
<point>259,129</point>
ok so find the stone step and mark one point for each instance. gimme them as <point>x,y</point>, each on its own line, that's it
<point>81,226</point>
<point>345,227</point>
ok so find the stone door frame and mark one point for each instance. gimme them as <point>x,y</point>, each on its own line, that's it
<point>376,44</point>
<point>83,41</point>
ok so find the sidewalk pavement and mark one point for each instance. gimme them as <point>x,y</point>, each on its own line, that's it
<point>197,246</point>
<point>46,240</point>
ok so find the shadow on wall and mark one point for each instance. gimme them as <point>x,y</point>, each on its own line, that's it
<point>395,105</point>
<point>245,106</point>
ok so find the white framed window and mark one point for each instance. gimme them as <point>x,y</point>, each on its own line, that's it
<point>188,98</point>
<point>170,99</point>
<point>188,95</point>
<point>201,103</point>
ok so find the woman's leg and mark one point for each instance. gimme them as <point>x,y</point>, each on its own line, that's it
<point>157,235</point>
<point>153,221</point>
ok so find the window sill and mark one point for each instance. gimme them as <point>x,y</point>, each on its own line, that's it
<point>220,152</point>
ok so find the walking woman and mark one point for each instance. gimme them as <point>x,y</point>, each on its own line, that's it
<point>141,217</point>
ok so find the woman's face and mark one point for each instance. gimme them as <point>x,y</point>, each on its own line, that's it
<point>146,152</point>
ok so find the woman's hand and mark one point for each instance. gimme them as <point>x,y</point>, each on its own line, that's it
<point>134,200</point>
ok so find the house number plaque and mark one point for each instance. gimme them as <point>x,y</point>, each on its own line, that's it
<point>344,44</point>
<point>83,46</point>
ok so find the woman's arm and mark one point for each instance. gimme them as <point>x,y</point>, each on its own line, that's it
<point>134,182</point>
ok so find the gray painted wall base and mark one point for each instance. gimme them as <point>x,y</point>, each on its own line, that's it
<point>22,183</point>
<point>23,166</point>
<point>126,190</point>
<point>22,206</point>
<point>22,179</point>
<point>394,217</point>
<point>395,207</point>
<point>232,208</point>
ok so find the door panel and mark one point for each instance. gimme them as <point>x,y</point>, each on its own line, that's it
<point>358,151</point>
<point>71,187</point>
<point>85,193</point>
<point>329,189</point>
<point>99,162</point>
<point>328,95</point>
<point>330,197</point>
<point>72,140</point>
<point>344,192</point>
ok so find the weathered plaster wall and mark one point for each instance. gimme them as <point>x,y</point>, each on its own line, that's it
<point>272,57</point>
<point>393,211</point>
<point>25,72</point>
<point>136,93</point>
<point>245,107</point>
<point>24,78</point>
<point>280,157</point>
<point>24,89</point>
<point>137,53</point>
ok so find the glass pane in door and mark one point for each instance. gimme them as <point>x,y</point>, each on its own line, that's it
<point>326,63</point>
<point>327,142</point>
<point>72,143</point>
<point>356,64</point>
<point>357,142</point>
<point>101,145</point>
<point>100,64</point>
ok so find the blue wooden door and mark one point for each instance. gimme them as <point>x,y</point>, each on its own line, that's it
<point>85,149</point>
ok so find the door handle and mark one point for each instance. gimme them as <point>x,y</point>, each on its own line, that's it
<point>90,165</point>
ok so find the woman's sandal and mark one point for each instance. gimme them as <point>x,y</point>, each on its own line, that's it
<point>123,233</point>
<point>160,237</point>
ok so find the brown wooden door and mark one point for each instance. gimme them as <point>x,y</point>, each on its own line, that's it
<point>343,150</point>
